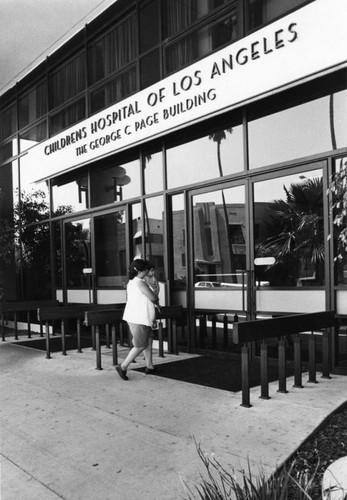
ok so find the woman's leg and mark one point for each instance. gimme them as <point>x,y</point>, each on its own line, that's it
<point>134,351</point>
<point>149,354</point>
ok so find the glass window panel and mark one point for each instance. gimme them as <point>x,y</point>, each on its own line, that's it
<point>7,122</point>
<point>289,226</point>
<point>113,51</point>
<point>180,14</point>
<point>68,81</point>
<point>338,189</point>
<point>32,136</point>
<point>57,254</point>
<point>153,172</point>
<point>8,150</point>
<point>150,69</point>
<point>35,262</point>
<point>34,196</point>
<point>299,131</point>
<point>178,241</point>
<point>8,194</point>
<point>149,25</point>
<point>264,11</point>
<point>70,194</point>
<point>32,105</point>
<point>201,43</point>
<point>68,117</point>
<point>77,251</point>
<point>110,249</point>
<point>115,183</point>
<point>154,234</point>
<point>114,90</point>
<point>136,228</point>
<point>219,237</point>
<point>9,233</point>
<point>216,155</point>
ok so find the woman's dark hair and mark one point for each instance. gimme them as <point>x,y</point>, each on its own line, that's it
<point>136,266</point>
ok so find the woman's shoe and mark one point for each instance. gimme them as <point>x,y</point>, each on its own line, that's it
<point>121,373</point>
<point>150,371</point>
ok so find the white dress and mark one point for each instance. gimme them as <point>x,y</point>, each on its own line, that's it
<point>138,309</point>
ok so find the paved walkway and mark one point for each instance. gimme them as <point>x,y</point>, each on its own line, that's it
<point>71,432</point>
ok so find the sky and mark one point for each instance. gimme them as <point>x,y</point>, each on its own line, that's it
<point>29,27</point>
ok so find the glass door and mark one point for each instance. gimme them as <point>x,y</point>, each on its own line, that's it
<point>219,280</point>
<point>78,261</point>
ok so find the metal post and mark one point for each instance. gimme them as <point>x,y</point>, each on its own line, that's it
<point>214,331</point>
<point>325,353</point>
<point>312,359</point>
<point>3,326</point>
<point>160,339</point>
<point>79,335</point>
<point>297,362</point>
<point>282,387</point>
<point>28,323</point>
<point>245,377</point>
<point>264,372</point>
<point>98,350</point>
<point>174,336</point>
<point>169,335</point>
<point>107,330</point>
<point>48,353</point>
<point>15,326</point>
<point>63,345</point>
<point>93,338</point>
<point>225,330</point>
<point>114,345</point>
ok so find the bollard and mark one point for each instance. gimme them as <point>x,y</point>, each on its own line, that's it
<point>48,352</point>
<point>114,345</point>
<point>264,378</point>
<point>79,335</point>
<point>297,362</point>
<point>312,359</point>
<point>97,348</point>
<point>245,377</point>
<point>282,387</point>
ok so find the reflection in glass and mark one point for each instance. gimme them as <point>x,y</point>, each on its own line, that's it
<point>154,234</point>
<point>77,250</point>
<point>179,250</point>
<point>215,155</point>
<point>110,249</point>
<point>35,262</point>
<point>289,226</point>
<point>32,136</point>
<point>70,194</point>
<point>201,42</point>
<point>263,11</point>
<point>32,190</point>
<point>338,190</point>
<point>9,231</point>
<point>136,228</point>
<point>219,237</point>
<point>153,172</point>
<point>307,129</point>
<point>115,183</point>
<point>57,254</point>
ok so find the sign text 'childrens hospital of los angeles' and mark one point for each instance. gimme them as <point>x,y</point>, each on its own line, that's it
<point>219,82</point>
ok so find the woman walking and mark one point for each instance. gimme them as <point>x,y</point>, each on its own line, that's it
<point>139,313</point>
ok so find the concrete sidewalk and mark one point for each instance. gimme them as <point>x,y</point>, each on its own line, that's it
<point>71,432</point>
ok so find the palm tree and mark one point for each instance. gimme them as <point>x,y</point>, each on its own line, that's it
<point>218,137</point>
<point>296,229</point>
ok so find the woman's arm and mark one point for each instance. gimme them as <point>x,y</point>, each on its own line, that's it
<point>148,292</point>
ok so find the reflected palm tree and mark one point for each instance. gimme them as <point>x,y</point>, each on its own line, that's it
<point>297,229</point>
<point>218,137</point>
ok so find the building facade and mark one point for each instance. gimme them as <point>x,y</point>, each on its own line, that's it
<point>200,134</point>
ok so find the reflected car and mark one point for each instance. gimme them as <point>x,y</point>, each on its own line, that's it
<point>208,284</point>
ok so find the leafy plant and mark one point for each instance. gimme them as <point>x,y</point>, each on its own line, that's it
<point>221,484</point>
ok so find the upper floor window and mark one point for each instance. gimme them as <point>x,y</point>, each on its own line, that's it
<point>67,81</point>
<point>113,51</point>
<point>261,12</point>
<point>180,14</point>
<point>32,105</point>
<point>201,42</point>
<point>8,122</point>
